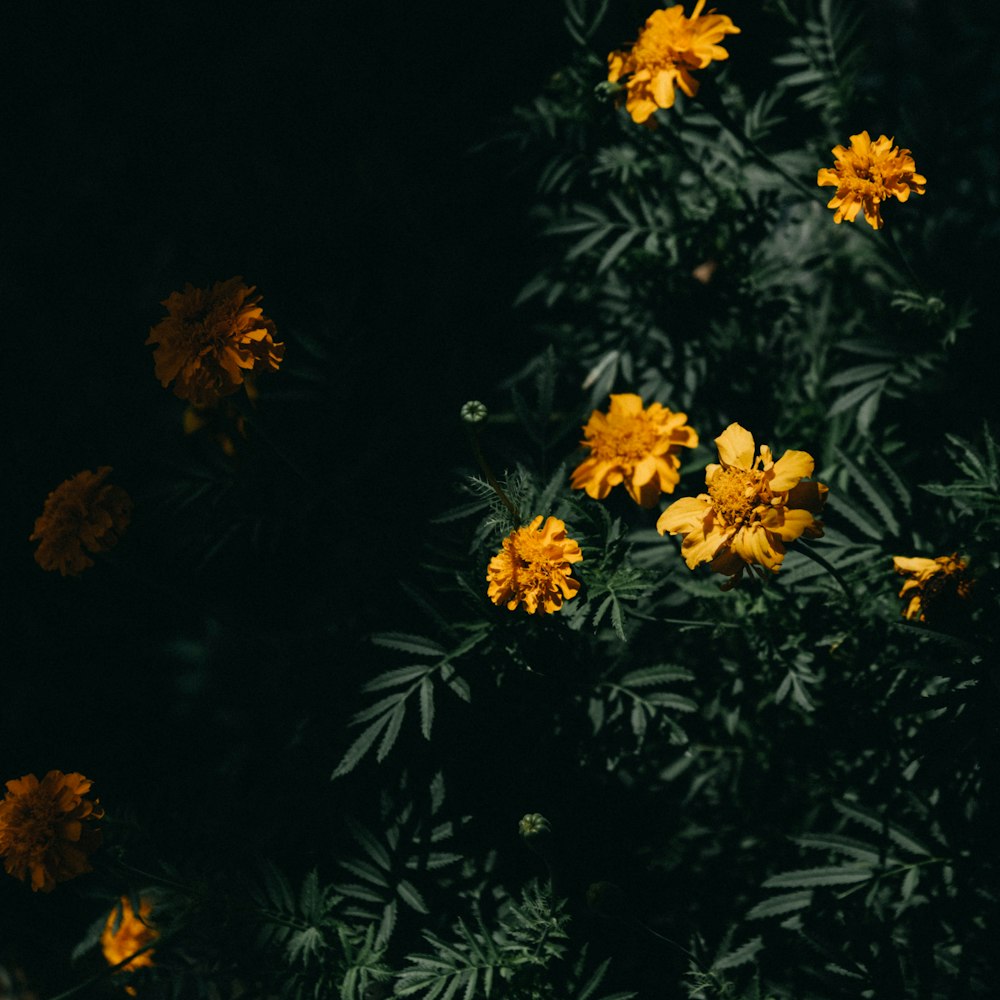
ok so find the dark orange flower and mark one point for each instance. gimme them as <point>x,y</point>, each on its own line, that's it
<point>84,512</point>
<point>127,932</point>
<point>47,828</point>
<point>932,586</point>
<point>213,341</point>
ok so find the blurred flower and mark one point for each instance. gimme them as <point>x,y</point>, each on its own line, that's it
<point>667,49</point>
<point>125,932</point>
<point>533,567</point>
<point>84,512</point>
<point>753,506</point>
<point>633,446</point>
<point>867,174</point>
<point>931,584</point>
<point>46,828</point>
<point>213,341</point>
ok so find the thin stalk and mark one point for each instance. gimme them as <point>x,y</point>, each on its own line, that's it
<point>806,550</point>
<point>898,254</point>
<point>488,473</point>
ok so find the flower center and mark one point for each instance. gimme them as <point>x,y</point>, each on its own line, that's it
<point>625,443</point>
<point>36,823</point>
<point>734,494</point>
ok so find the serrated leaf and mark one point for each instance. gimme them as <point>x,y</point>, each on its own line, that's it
<point>426,707</point>
<point>409,894</point>
<point>662,674</point>
<point>826,875</point>
<point>391,732</point>
<point>740,956</point>
<point>840,844</point>
<point>418,644</point>
<point>359,748</point>
<point>903,838</point>
<point>778,905</point>
<point>393,678</point>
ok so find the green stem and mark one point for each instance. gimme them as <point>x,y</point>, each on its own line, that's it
<point>249,415</point>
<point>898,254</point>
<point>488,473</point>
<point>811,553</point>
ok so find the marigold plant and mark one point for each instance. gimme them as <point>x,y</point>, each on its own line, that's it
<point>635,446</point>
<point>868,173</point>
<point>533,567</point>
<point>47,828</point>
<point>127,932</point>
<point>213,341</point>
<point>668,48</point>
<point>754,505</point>
<point>83,514</point>
<point>931,583</point>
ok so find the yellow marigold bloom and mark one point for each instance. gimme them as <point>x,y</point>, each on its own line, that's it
<point>125,932</point>
<point>533,567</point>
<point>47,828</point>
<point>752,508</point>
<point>866,175</point>
<point>635,446</point>
<point>931,583</point>
<point>84,512</point>
<point>213,341</point>
<point>662,57</point>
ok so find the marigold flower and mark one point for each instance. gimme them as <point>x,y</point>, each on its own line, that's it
<point>635,446</point>
<point>932,584</point>
<point>47,828</point>
<point>752,508</point>
<point>866,175</point>
<point>126,932</point>
<point>81,513</point>
<point>662,57</point>
<point>213,341</point>
<point>533,567</point>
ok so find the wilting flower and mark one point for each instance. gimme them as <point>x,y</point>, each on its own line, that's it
<point>752,508</point>
<point>47,828</point>
<point>213,341</point>
<point>126,932</point>
<point>662,57</point>
<point>82,513</point>
<point>635,446</point>
<point>932,584</point>
<point>533,567</point>
<point>866,175</point>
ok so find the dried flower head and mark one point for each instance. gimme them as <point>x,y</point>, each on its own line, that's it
<point>47,828</point>
<point>752,508</point>
<point>533,567</point>
<point>932,585</point>
<point>83,513</point>
<point>866,175</point>
<point>635,446</point>
<point>213,340</point>
<point>662,57</point>
<point>127,932</point>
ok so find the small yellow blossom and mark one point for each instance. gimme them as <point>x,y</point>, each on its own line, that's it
<point>931,583</point>
<point>82,513</point>
<point>752,508</point>
<point>47,829</point>
<point>866,175</point>
<point>127,932</point>
<point>635,446</point>
<point>662,57</point>
<point>533,567</point>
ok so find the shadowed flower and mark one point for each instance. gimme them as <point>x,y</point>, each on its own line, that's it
<point>533,567</point>
<point>932,584</point>
<point>47,828</point>
<point>866,175</point>
<point>82,513</point>
<point>213,341</point>
<point>662,57</point>
<point>635,446</point>
<point>752,508</point>
<point>126,932</point>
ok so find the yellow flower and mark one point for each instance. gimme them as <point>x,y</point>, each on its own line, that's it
<point>932,584</point>
<point>126,932</point>
<point>533,567</point>
<point>633,446</point>
<point>867,174</point>
<point>213,341</point>
<point>662,57</point>
<point>84,512</point>
<point>752,508</point>
<point>47,828</point>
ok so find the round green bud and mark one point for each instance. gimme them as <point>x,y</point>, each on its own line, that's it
<point>474,412</point>
<point>533,825</point>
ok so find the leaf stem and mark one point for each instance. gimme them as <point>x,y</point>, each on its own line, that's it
<point>811,553</point>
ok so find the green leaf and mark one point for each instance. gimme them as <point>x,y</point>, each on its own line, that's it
<point>778,905</point>
<point>418,644</point>
<point>426,707</point>
<point>359,748</point>
<point>827,875</point>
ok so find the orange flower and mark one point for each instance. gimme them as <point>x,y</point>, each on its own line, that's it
<point>213,341</point>
<point>84,512</point>
<point>47,828</point>
<point>533,567</point>
<point>633,446</point>
<point>866,175</point>
<point>753,506</point>
<point>933,584</point>
<point>662,57</point>
<point>126,932</point>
